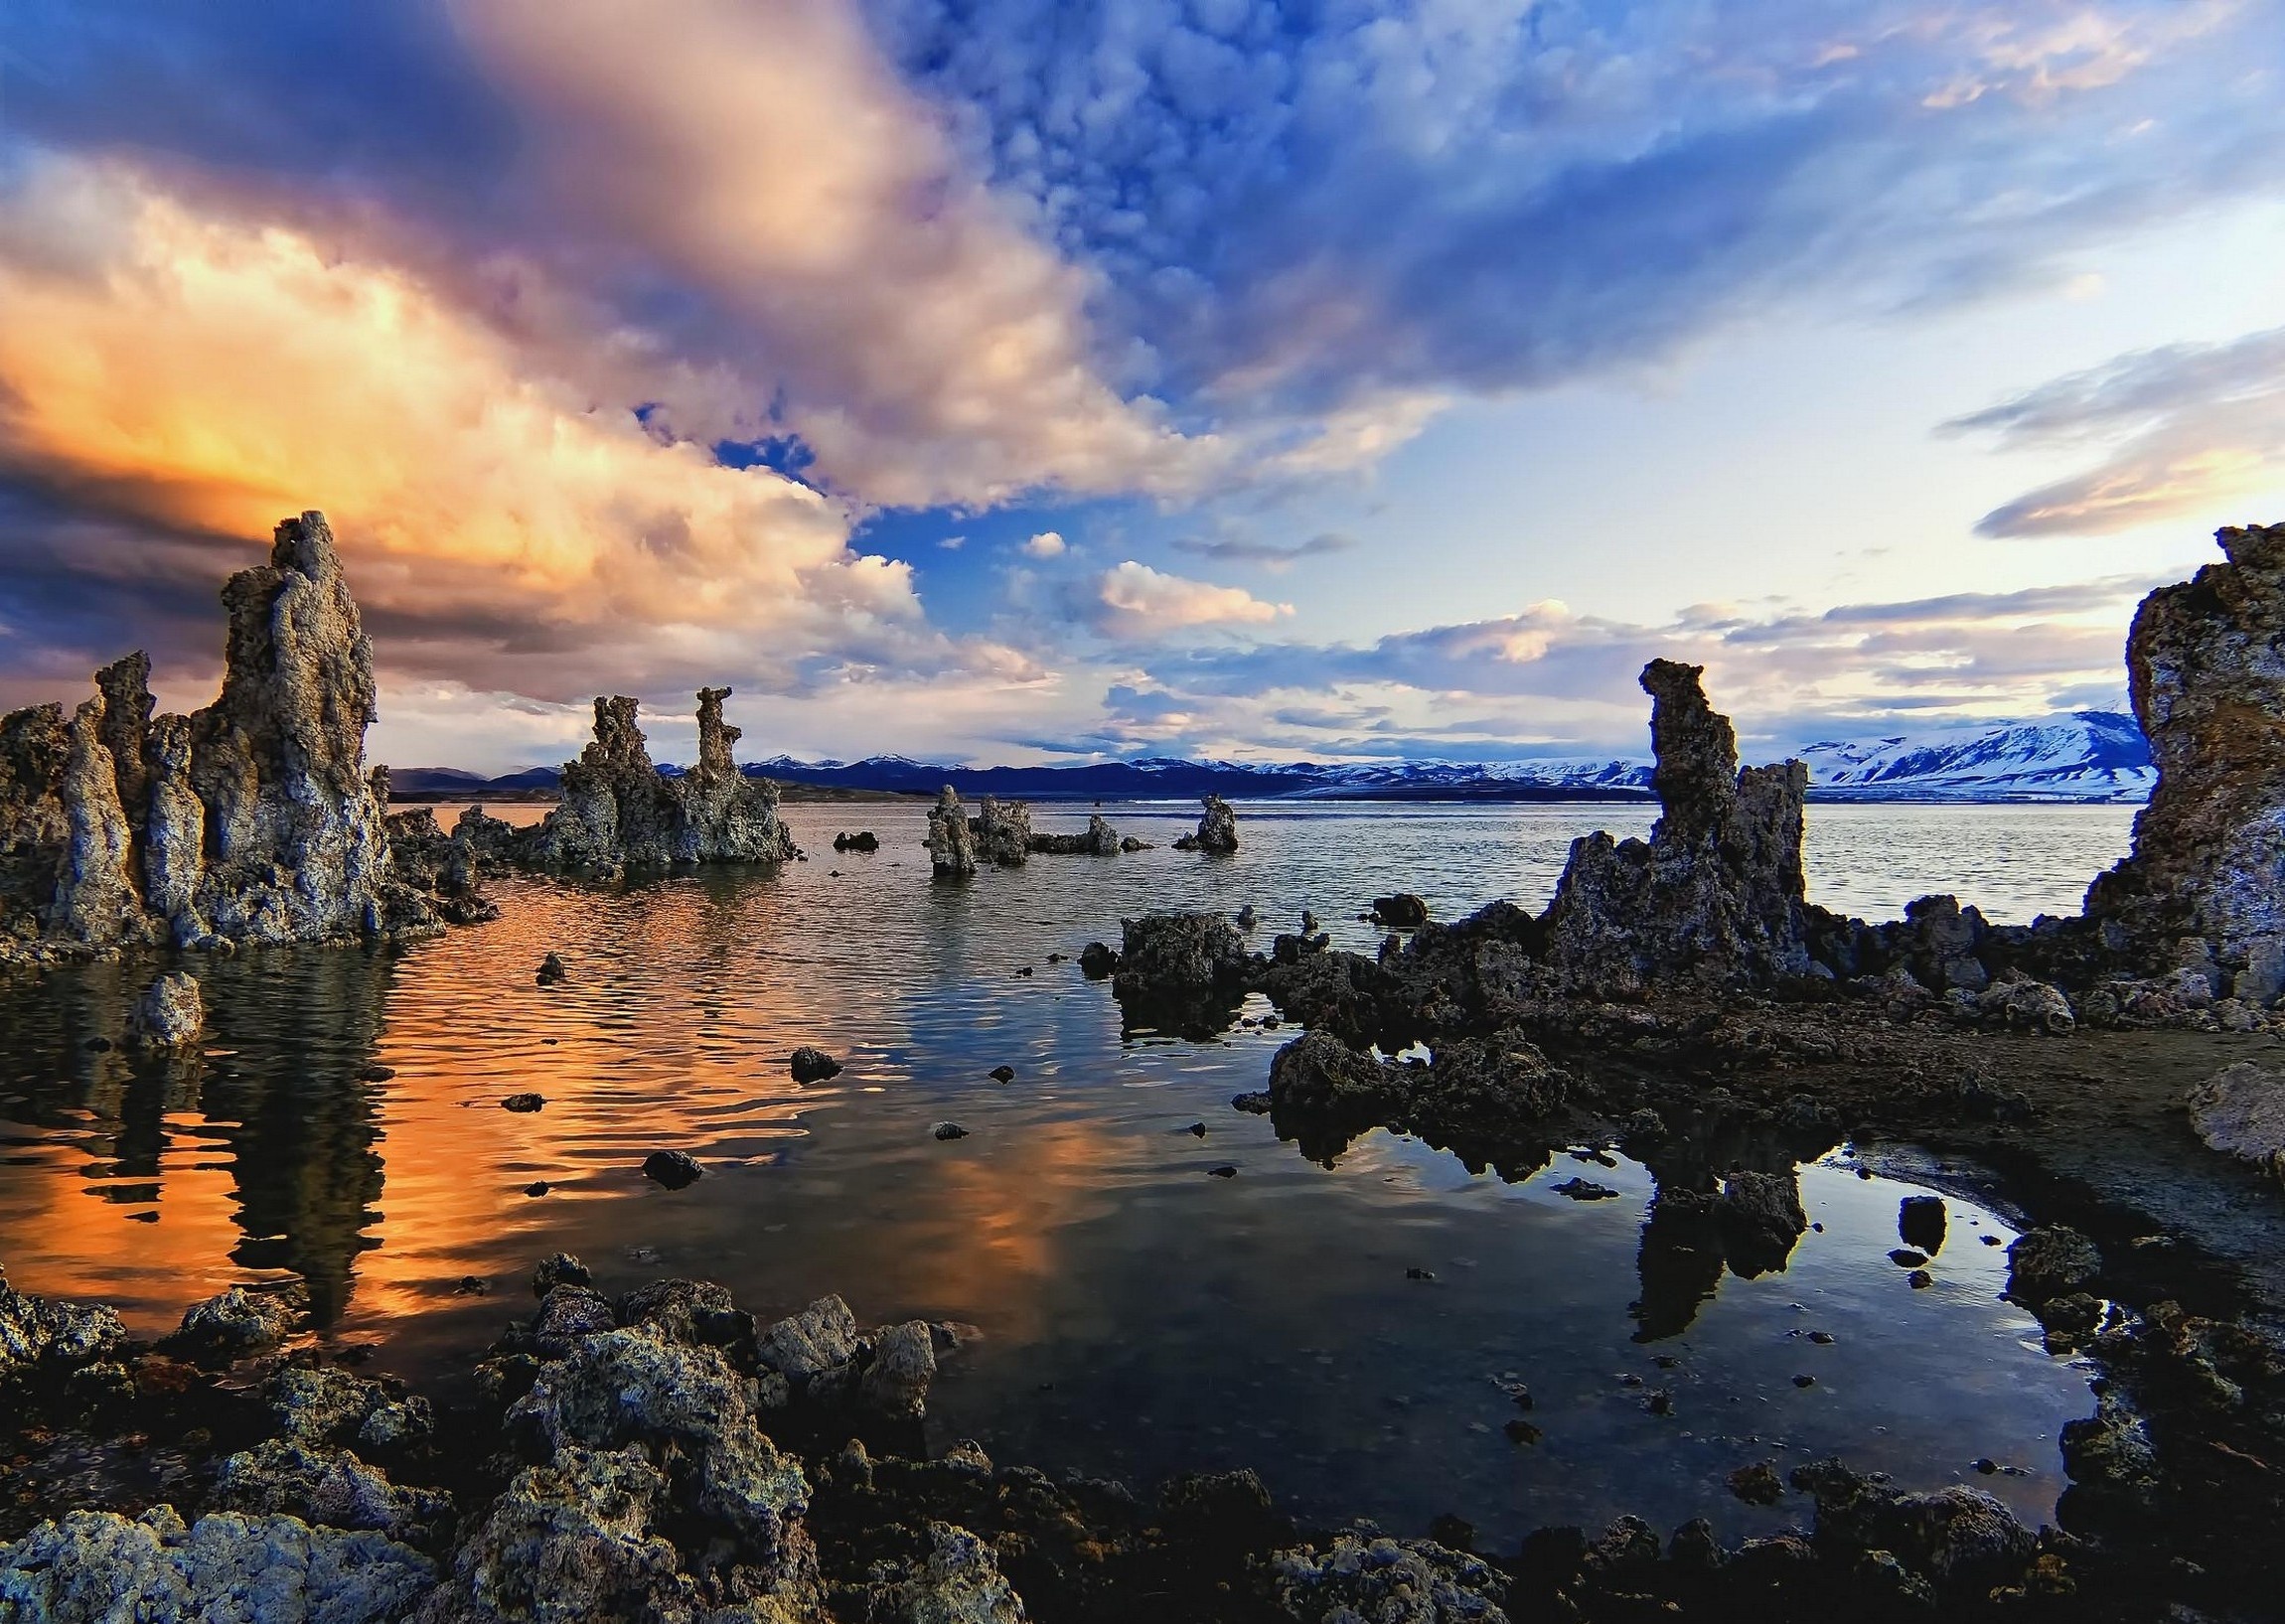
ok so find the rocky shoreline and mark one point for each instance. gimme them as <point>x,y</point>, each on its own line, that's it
<point>665,1456</point>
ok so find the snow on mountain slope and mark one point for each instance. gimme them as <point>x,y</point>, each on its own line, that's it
<point>2089,755</point>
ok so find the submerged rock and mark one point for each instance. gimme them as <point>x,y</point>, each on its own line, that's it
<point>2206,671</point>
<point>951,850</point>
<point>808,1064</point>
<point>672,1168</point>
<point>2241,1111</point>
<point>1402,912</point>
<point>863,840</point>
<point>169,1015</point>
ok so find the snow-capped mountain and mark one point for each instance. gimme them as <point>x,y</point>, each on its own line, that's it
<point>2087,756</point>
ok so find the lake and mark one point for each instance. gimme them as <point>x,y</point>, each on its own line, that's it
<point>1139,1315</point>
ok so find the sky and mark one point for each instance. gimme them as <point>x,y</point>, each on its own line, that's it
<point>1006,381</point>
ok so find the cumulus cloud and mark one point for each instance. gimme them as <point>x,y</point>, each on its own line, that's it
<point>196,376</point>
<point>1320,209</point>
<point>768,158</point>
<point>1137,600</point>
<point>1046,545</point>
<point>2174,430</point>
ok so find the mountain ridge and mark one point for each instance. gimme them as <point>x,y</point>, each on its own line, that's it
<point>2077,757</point>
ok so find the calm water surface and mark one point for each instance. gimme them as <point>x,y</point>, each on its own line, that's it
<point>1140,1316</point>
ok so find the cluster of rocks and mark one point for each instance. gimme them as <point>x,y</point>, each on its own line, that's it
<point>662,1455</point>
<point>1001,834</point>
<point>251,821</point>
<point>618,811</point>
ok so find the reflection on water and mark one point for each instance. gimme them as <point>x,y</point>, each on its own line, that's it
<point>1139,1316</point>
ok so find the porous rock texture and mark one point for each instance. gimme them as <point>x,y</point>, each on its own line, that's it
<point>1217,828</point>
<point>950,847</point>
<point>618,811</point>
<point>1002,831</point>
<point>2241,1111</point>
<point>2205,671</point>
<point>1716,894</point>
<point>98,1567</point>
<point>169,1015</point>
<point>251,820</point>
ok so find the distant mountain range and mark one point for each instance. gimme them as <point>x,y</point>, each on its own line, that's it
<point>2086,756</point>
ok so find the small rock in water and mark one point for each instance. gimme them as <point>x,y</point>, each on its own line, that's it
<point>551,971</point>
<point>1253,1105</point>
<point>1519,1431</point>
<point>375,1074</point>
<point>1920,1279</point>
<point>1419,1274</point>
<point>1404,911</point>
<point>672,1168</point>
<point>1097,960</point>
<point>538,1189</point>
<point>561,1269</point>
<point>1001,1074</point>
<point>1225,1171</point>
<point>1511,1385</point>
<point>524,1103</point>
<point>1758,1485</point>
<point>1804,1381</point>
<point>1823,1339</point>
<point>1056,958</point>
<point>100,1045</point>
<point>948,1131</point>
<point>1920,1223</point>
<point>1905,1258</point>
<point>1247,918</point>
<point>1660,1403</point>
<point>472,1285</point>
<point>1991,1241</point>
<point>1986,1465</point>
<point>1198,1129</point>
<point>1581,1190</point>
<point>169,1015</point>
<point>1025,971</point>
<point>810,1065</point>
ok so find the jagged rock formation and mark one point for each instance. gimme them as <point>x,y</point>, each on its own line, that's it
<point>2206,671</point>
<point>951,849</point>
<point>169,1015</point>
<point>1217,829</point>
<point>619,812</point>
<point>1100,840</point>
<point>1717,892</point>
<point>1002,831</point>
<point>251,820</point>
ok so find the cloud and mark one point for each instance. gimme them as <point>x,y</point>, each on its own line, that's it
<point>1549,681</point>
<point>173,381</point>
<point>952,543</point>
<point>1309,211</point>
<point>1046,545</point>
<point>767,159</point>
<point>1140,602</point>
<point>1271,555</point>
<point>2178,429</point>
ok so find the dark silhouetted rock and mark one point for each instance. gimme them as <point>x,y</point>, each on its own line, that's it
<point>1404,911</point>
<point>551,971</point>
<point>524,1103</point>
<point>1920,1223</point>
<point>1762,1217</point>
<point>672,1168</point>
<point>1097,962</point>
<point>1176,954</point>
<point>2049,1263</point>
<point>863,840</point>
<point>810,1065</point>
<point>948,1130</point>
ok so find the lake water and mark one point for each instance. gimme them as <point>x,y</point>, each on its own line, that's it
<point>1140,1316</point>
